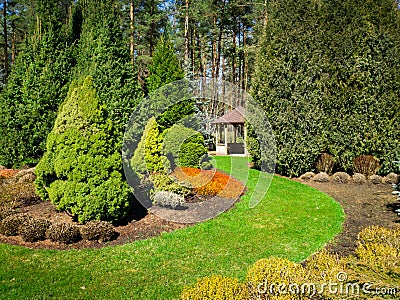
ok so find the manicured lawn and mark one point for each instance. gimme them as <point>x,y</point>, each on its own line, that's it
<point>293,221</point>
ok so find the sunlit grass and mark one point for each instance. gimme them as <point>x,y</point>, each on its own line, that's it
<point>293,221</point>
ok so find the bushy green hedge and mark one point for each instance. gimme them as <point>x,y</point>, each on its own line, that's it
<point>81,171</point>
<point>327,77</point>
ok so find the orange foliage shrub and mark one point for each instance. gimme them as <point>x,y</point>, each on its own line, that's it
<point>210,182</point>
<point>7,173</point>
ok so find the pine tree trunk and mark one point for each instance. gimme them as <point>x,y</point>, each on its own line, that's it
<point>132,33</point>
<point>186,57</point>
<point>5,34</point>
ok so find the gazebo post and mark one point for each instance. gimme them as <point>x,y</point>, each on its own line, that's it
<point>226,138</point>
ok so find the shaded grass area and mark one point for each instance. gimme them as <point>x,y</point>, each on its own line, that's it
<point>292,221</point>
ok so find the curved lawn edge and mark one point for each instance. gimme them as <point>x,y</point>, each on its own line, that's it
<point>293,221</point>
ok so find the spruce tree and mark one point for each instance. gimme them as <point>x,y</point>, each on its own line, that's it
<point>36,87</point>
<point>81,171</point>
<point>102,53</point>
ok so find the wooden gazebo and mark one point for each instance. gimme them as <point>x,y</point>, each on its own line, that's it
<point>230,133</point>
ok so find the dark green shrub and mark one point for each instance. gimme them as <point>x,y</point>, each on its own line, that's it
<point>216,287</point>
<point>81,171</point>
<point>333,87</point>
<point>10,225</point>
<point>98,230</point>
<point>190,154</point>
<point>33,230</point>
<point>63,232</point>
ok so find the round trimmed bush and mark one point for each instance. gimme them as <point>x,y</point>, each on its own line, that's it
<point>376,179</point>
<point>359,178</point>
<point>63,232</point>
<point>341,177</point>
<point>6,209</point>
<point>216,287</point>
<point>33,230</point>
<point>307,176</point>
<point>391,178</point>
<point>190,154</point>
<point>321,177</point>
<point>10,226</point>
<point>98,230</point>
<point>81,171</point>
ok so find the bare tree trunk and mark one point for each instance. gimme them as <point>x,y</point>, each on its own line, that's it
<point>186,57</point>
<point>132,33</point>
<point>5,33</point>
<point>246,61</point>
<point>214,49</point>
<point>221,29</point>
<point>13,44</point>
<point>234,53</point>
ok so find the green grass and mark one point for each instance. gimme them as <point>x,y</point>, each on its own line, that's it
<point>292,221</point>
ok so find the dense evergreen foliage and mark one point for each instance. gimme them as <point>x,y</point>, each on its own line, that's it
<point>81,171</point>
<point>327,76</point>
<point>36,87</point>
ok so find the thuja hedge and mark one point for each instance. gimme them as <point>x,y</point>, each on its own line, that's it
<point>81,170</point>
<point>327,75</point>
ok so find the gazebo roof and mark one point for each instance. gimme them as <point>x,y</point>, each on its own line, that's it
<point>235,116</point>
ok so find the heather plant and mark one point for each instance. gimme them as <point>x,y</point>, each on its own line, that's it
<point>169,199</point>
<point>81,171</point>
<point>98,230</point>
<point>216,287</point>
<point>10,225</point>
<point>33,229</point>
<point>63,232</point>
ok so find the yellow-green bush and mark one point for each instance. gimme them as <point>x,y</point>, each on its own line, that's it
<point>380,247</point>
<point>265,276</point>
<point>216,288</point>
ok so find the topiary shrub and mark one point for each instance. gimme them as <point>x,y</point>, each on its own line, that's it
<point>321,177</point>
<point>176,137</point>
<point>307,176</point>
<point>33,229</point>
<point>98,230</point>
<point>376,179</point>
<point>10,225</point>
<point>216,287</point>
<point>366,164</point>
<point>341,177</point>
<point>391,178</point>
<point>359,178</point>
<point>325,163</point>
<point>168,199</point>
<point>81,171</point>
<point>63,232</point>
